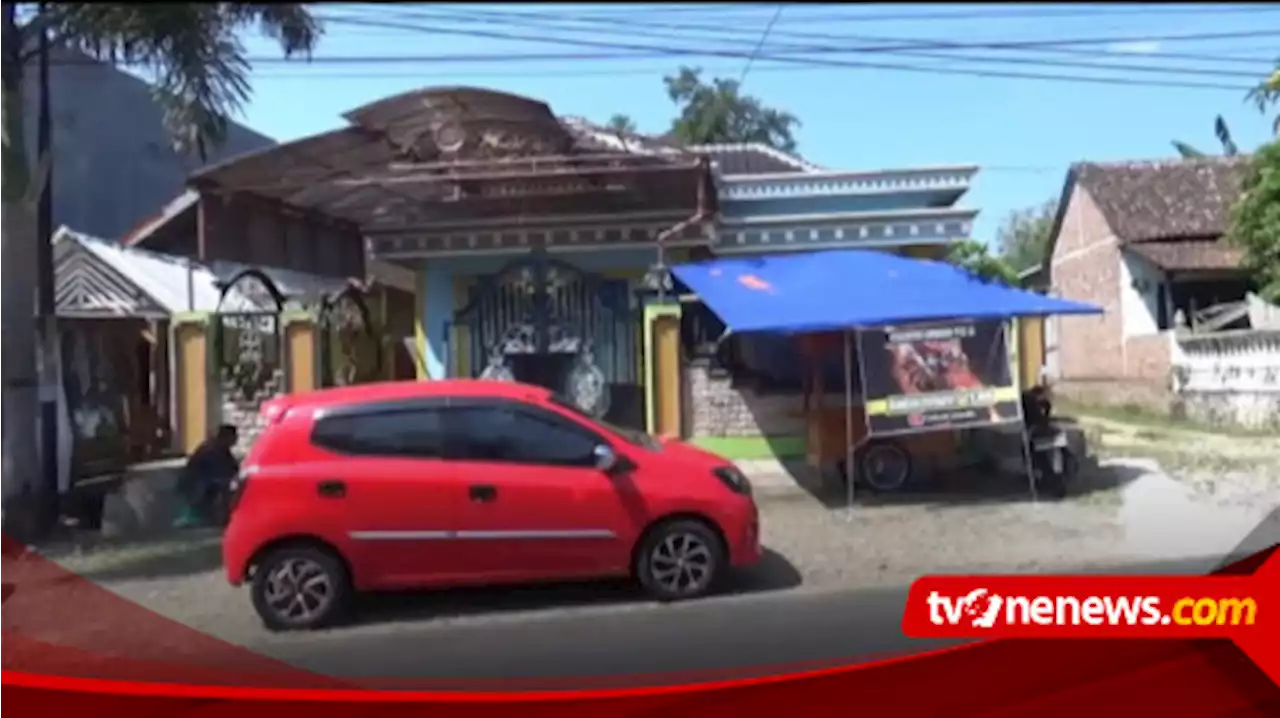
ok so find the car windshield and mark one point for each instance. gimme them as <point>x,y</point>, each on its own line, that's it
<point>631,436</point>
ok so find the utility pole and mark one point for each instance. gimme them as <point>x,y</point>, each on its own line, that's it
<point>18,247</point>
<point>48,490</point>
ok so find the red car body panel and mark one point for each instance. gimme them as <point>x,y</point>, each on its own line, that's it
<point>406,523</point>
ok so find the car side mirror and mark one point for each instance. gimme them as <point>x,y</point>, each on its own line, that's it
<point>605,457</point>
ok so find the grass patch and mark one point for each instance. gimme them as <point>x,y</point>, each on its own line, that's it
<point>1150,420</point>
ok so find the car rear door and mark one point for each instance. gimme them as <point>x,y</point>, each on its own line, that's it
<point>400,497</point>
<point>535,506</point>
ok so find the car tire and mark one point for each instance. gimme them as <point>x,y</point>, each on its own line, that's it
<point>680,560</point>
<point>302,576</point>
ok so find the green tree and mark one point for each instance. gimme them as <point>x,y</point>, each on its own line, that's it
<point>622,124</point>
<point>1265,94</point>
<point>975,257</point>
<point>1023,237</point>
<point>201,76</point>
<point>717,112</point>
<point>1255,220</point>
<point>1223,134</point>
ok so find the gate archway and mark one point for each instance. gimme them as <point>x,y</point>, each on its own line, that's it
<point>248,350</point>
<point>349,343</point>
<point>543,321</point>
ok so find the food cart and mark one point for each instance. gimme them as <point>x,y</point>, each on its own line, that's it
<point>924,344</point>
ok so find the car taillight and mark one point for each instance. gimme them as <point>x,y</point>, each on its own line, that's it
<point>238,485</point>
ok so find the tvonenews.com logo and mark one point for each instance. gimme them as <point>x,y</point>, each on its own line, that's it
<point>984,609</point>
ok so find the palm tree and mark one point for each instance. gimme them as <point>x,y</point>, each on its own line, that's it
<point>1223,133</point>
<point>201,78</point>
<point>1266,93</point>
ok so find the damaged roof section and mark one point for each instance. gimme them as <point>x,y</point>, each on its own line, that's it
<point>446,155</point>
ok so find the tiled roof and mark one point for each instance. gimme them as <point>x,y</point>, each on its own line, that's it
<point>1181,255</point>
<point>1164,200</point>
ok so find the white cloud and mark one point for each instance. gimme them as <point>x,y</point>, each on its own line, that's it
<point>1141,47</point>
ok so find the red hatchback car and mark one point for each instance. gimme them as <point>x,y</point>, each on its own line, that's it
<point>447,483</point>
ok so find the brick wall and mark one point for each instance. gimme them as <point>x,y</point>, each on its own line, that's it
<point>715,407</point>
<point>1149,358</point>
<point>1086,266</point>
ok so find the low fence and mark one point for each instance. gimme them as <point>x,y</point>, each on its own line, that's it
<point>1229,378</point>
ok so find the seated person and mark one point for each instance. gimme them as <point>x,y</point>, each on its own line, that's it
<point>207,475</point>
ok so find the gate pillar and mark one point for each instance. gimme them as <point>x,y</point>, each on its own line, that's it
<point>663,390</point>
<point>301,341</point>
<point>195,393</point>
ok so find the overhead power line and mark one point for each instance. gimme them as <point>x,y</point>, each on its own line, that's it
<point>764,37</point>
<point>828,62</point>
<point>632,26</point>
<point>903,45</point>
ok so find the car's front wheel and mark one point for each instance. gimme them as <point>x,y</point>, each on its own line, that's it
<point>680,560</point>
<point>300,587</point>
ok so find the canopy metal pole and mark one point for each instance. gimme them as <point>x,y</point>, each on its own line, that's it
<point>850,467</point>
<point>1015,368</point>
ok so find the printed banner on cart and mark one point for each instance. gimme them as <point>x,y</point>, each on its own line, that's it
<point>929,377</point>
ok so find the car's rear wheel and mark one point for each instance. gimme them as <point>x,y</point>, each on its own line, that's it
<point>300,587</point>
<point>680,559</point>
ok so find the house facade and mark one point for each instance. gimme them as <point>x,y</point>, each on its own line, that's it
<point>539,247</point>
<point>1144,241</point>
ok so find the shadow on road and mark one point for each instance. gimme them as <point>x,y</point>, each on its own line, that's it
<point>773,573</point>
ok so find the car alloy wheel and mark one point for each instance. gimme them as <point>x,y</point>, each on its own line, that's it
<point>682,564</point>
<point>300,587</point>
<point>680,559</point>
<point>298,590</point>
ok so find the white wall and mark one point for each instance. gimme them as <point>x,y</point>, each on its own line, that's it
<point>1231,377</point>
<point>1139,307</point>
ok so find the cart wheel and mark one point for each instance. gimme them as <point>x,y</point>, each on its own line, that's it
<point>884,466</point>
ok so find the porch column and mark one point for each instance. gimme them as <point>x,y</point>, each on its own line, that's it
<point>433,318</point>
<point>663,411</point>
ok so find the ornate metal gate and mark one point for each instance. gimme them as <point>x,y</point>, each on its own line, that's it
<point>248,350</point>
<point>543,321</point>
<point>349,345</point>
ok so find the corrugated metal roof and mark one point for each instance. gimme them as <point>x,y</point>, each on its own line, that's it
<point>161,277</point>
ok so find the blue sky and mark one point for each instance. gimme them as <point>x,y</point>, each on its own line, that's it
<point>1023,133</point>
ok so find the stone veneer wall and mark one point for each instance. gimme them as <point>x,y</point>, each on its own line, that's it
<point>715,407</point>
<point>244,411</point>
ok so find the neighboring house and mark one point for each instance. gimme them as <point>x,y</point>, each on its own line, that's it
<point>114,164</point>
<point>1144,241</point>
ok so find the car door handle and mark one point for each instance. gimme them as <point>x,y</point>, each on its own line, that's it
<point>331,489</point>
<point>483,494</point>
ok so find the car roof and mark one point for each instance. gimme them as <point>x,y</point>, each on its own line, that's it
<point>412,389</point>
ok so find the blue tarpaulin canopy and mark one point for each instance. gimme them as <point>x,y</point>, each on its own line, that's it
<point>851,289</point>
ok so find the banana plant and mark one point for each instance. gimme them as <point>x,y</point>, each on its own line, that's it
<point>1229,148</point>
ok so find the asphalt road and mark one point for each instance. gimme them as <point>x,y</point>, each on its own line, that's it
<point>620,642</point>
<point>625,643</point>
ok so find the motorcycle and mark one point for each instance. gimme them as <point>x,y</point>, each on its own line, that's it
<point>1053,464</point>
